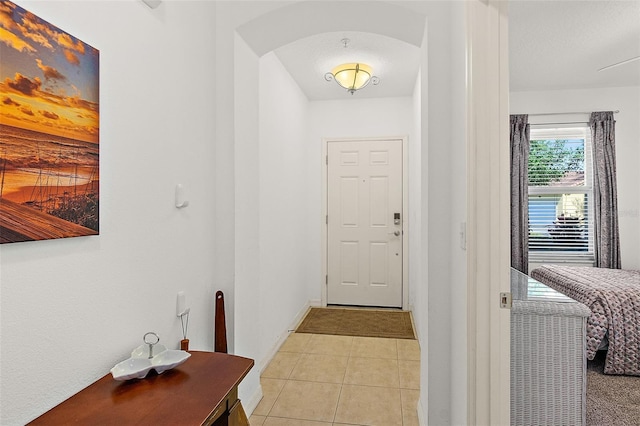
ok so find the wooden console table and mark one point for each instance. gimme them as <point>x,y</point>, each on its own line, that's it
<point>201,391</point>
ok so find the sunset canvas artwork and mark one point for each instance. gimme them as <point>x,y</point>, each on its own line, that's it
<point>49,130</point>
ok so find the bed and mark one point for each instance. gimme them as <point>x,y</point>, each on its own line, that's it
<point>613,296</point>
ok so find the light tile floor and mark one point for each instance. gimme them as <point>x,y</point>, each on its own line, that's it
<point>322,380</point>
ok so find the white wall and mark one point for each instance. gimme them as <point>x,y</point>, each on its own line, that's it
<point>415,205</point>
<point>354,118</point>
<point>247,215</point>
<point>73,308</point>
<point>441,121</point>
<point>627,101</point>
<point>271,191</point>
<point>458,214</point>
<point>285,235</point>
<point>236,218</point>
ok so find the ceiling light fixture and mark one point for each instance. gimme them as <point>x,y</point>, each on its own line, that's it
<point>353,76</point>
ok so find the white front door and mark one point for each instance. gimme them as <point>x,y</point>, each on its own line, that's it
<point>364,229</point>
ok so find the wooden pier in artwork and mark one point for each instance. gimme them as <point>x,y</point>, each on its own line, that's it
<point>22,223</point>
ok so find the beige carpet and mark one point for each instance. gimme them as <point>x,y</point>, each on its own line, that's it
<point>611,400</point>
<point>358,322</point>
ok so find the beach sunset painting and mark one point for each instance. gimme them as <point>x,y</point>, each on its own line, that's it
<point>49,130</point>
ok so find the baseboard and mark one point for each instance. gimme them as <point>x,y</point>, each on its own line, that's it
<point>251,404</point>
<point>283,336</point>
<point>413,324</point>
<point>422,416</point>
<point>315,303</point>
<point>298,318</point>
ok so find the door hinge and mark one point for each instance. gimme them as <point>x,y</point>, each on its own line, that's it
<point>326,280</point>
<point>505,300</point>
<point>326,219</point>
<point>326,159</point>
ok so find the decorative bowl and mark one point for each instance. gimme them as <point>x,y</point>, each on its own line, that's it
<point>132,368</point>
<point>139,365</point>
<point>168,359</point>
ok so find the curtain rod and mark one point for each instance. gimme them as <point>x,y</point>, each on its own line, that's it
<point>562,123</point>
<point>566,113</point>
<point>554,124</point>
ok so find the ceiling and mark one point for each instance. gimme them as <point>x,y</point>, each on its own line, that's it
<point>562,44</point>
<point>552,45</point>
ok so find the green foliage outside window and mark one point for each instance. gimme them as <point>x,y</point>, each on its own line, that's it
<point>551,159</point>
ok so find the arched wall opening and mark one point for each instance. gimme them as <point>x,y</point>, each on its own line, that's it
<point>238,97</point>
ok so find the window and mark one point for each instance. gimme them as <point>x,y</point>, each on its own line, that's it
<point>560,196</point>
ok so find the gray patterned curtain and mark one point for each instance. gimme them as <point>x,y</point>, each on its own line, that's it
<point>520,192</point>
<point>606,235</point>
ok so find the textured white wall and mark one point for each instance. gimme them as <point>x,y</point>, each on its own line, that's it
<point>73,308</point>
<point>627,101</point>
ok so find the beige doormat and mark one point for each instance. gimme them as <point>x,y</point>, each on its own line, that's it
<point>358,322</point>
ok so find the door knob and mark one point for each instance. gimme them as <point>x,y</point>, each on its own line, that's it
<point>396,233</point>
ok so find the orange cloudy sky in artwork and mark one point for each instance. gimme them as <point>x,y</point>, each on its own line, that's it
<point>49,80</point>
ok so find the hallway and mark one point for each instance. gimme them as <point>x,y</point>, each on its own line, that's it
<point>319,380</point>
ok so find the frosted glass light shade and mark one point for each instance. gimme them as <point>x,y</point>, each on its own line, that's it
<point>353,76</point>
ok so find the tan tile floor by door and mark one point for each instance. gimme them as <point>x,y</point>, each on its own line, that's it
<point>322,380</point>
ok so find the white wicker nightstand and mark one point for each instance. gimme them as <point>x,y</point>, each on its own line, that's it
<point>548,357</point>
